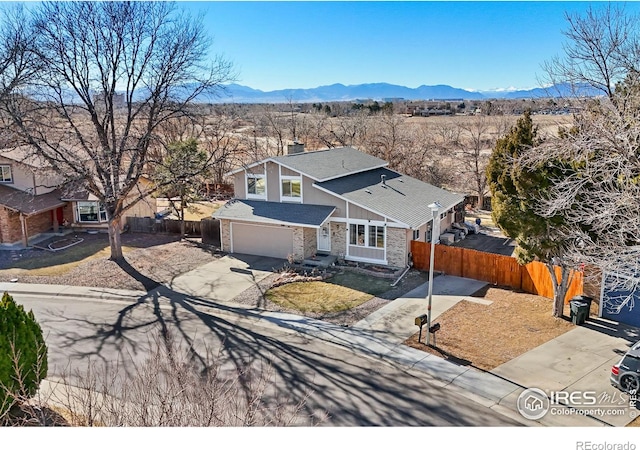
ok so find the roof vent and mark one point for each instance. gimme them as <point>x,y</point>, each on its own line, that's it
<point>384,178</point>
<point>367,191</point>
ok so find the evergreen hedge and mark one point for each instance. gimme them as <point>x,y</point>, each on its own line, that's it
<point>21,336</point>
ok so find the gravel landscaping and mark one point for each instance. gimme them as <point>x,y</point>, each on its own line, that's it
<point>158,257</point>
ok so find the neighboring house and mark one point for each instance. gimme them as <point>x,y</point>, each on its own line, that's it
<point>338,201</point>
<point>89,213</point>
<point>32,201</point>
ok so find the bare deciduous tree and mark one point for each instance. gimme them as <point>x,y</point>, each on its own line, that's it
<point>600,202</point>
<point>90,99</point>
<point>168,389</point>
<point>602,47</point>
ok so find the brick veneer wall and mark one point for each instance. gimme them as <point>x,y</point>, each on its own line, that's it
<point>310,241</point>
<point>225,227</point>
<point>396,247</point>
<point>10,227</point>
<point>338,238</point>
<point>39,223</point>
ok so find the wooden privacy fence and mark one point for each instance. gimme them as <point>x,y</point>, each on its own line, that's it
<point>208,229</point>
<point>500,270</point>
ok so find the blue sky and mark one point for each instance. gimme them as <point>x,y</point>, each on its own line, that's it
<point>470,45</point>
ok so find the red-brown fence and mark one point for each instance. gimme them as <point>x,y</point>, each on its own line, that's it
<point>500,270</point>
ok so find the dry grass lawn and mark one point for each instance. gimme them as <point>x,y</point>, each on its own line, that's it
<point>59,266</point>
<point>316,297</point>
<point>487,336</point>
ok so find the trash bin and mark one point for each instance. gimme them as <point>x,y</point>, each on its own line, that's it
<point>586,299</point>
<point>579,312</point>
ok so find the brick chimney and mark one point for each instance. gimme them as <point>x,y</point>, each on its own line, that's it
<point>296,147</point>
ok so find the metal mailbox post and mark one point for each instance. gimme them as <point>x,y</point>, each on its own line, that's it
<point>420,322</point>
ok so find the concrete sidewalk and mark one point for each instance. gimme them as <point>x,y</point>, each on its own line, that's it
<point>381,335</point>
<point>397,318</point>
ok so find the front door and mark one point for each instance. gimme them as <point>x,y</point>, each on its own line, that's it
<point>324,238</point>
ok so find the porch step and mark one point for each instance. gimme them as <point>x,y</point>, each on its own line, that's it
<point>320,260</point>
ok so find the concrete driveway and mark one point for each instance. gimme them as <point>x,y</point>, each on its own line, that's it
<point>225,278</point>
<point>398,317</point>
<point>578,361</point>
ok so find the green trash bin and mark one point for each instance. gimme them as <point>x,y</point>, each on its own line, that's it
<point>579,312</point>
<point>584,298</point>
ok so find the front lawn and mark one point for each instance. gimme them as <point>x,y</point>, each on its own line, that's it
<point>316,297</point>
<point>487,336</point>
<point>360,282</point>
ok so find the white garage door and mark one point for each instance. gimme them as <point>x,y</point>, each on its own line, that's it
<point>261,240</point>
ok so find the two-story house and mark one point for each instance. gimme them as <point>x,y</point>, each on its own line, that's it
<point>337,201</point>
<point>33,201</point>
<point>30,202</point>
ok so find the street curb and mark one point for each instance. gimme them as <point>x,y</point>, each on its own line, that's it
<point>479,386</point>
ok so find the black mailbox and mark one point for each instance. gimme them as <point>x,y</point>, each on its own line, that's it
<point>435,327</point>
<point>421,320</point>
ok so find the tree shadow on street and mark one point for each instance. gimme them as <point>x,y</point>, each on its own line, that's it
<point>333,379</point>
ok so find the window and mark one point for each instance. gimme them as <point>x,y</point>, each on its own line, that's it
<point>291,188</point>
<point>256,185</point>
<point>366,235</point>
<point>5,174</point>
<point>91,212</point>
<point>416,235</point>
<point>356,233</point>
<point>376,236</point>
<point>427,234</point>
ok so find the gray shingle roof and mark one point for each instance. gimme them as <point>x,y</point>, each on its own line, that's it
<point>323,165</point>
<point>274,212</point>
<point>402,198</point>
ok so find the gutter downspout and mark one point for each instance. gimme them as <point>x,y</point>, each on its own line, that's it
<point>25,237</point>
<point>401,276</point>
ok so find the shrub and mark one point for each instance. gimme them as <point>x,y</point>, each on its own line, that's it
<point>23,354</point>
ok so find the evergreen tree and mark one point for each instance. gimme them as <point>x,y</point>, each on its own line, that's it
<point>181,173</point>
<point>516,195</point>
<point>23,353</point>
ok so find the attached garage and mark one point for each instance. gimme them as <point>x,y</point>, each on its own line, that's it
<point>256,227</point>
<point>274,241</point>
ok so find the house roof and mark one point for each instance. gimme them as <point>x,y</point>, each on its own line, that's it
<point>323,165</point>
<point>401,198</point>
<point>28,204</point>
<point>275,212</point>
<point>26,156</point>
<point>79,195</point>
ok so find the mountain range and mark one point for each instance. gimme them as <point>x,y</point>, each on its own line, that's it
<point>236,93</point>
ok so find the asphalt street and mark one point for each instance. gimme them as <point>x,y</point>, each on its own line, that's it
<point>351,388</point>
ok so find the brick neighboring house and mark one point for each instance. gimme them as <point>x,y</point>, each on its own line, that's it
<point>32,201</point>
<point>337,201</point>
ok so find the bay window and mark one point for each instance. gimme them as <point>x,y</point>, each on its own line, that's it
<point>91,212</point>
